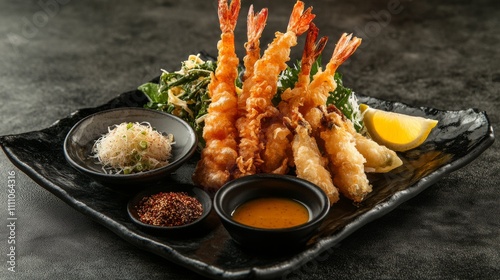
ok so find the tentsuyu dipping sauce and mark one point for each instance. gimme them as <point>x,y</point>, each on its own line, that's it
<point>271,213</point>
<point>169,209</point>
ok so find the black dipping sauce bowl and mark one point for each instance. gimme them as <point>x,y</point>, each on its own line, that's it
<point>247,188</point>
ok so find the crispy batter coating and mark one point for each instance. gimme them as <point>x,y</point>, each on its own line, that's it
<point>345,162</point>
<point>218,158</point>
<point>258,103</point>
<point>310,164</point>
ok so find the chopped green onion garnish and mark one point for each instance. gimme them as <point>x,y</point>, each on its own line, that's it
<point>138,167</point>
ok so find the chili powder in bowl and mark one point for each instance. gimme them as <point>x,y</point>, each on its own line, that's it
<point>170,208</point>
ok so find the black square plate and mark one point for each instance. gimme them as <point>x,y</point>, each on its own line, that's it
<point>459,138</point>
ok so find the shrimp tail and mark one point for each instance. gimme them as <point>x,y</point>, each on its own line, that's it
<point>255,27</point>
<point>345,47</point>
<point>319,47</point>
<point>312,49</point>
<point>256,23</point>
<point>228,15</point>
<point>300,19</point>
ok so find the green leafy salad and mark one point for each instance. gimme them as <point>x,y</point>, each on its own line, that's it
<point>184,93</point>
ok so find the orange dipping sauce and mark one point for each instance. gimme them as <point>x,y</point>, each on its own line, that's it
<point>271,213</point>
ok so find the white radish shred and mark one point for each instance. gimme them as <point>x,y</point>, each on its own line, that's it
<point>132,147</point>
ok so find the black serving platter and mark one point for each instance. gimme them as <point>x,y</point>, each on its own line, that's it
<point>459,138</point>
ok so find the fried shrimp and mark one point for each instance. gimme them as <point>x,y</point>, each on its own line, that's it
<point>309,163</point>
<point>245,133</point>
<point>218,158</point>
<point>378,158</point>
<point>345,162</point>
<point>277,155</point>
<point>292,99</point>
<point>258,105</point>
<point>323,82</point>
<point>255,27</point>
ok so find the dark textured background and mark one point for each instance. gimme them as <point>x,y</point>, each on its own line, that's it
<point>56,57</point>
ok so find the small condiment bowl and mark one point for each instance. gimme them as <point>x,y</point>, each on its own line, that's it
<point>191,228</point>
<point>247,188</point>
<point>80,139</point>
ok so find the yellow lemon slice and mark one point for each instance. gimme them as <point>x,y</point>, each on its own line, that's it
<point>398,132</point>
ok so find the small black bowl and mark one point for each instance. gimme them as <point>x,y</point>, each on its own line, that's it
<point>241,190</point>
<point>193,228</point>
<point>80,139</point>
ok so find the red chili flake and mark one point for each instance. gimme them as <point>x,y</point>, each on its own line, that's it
<point>169,209</point>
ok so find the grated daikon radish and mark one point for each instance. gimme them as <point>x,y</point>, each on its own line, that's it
<point>132,147</point>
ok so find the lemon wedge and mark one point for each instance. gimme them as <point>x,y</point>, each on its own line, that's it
<point>398,132</point>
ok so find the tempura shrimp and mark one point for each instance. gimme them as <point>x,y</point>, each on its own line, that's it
<point>218,158</point>
<point>309,163</point>
<point>323,82</point>
<point>277,155</point>
<point>255,27</point>
<point>378,158</point>
<point>345,161</point>
<point>292,99</point>
<point>264,83</point>
<point>346,164</point>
